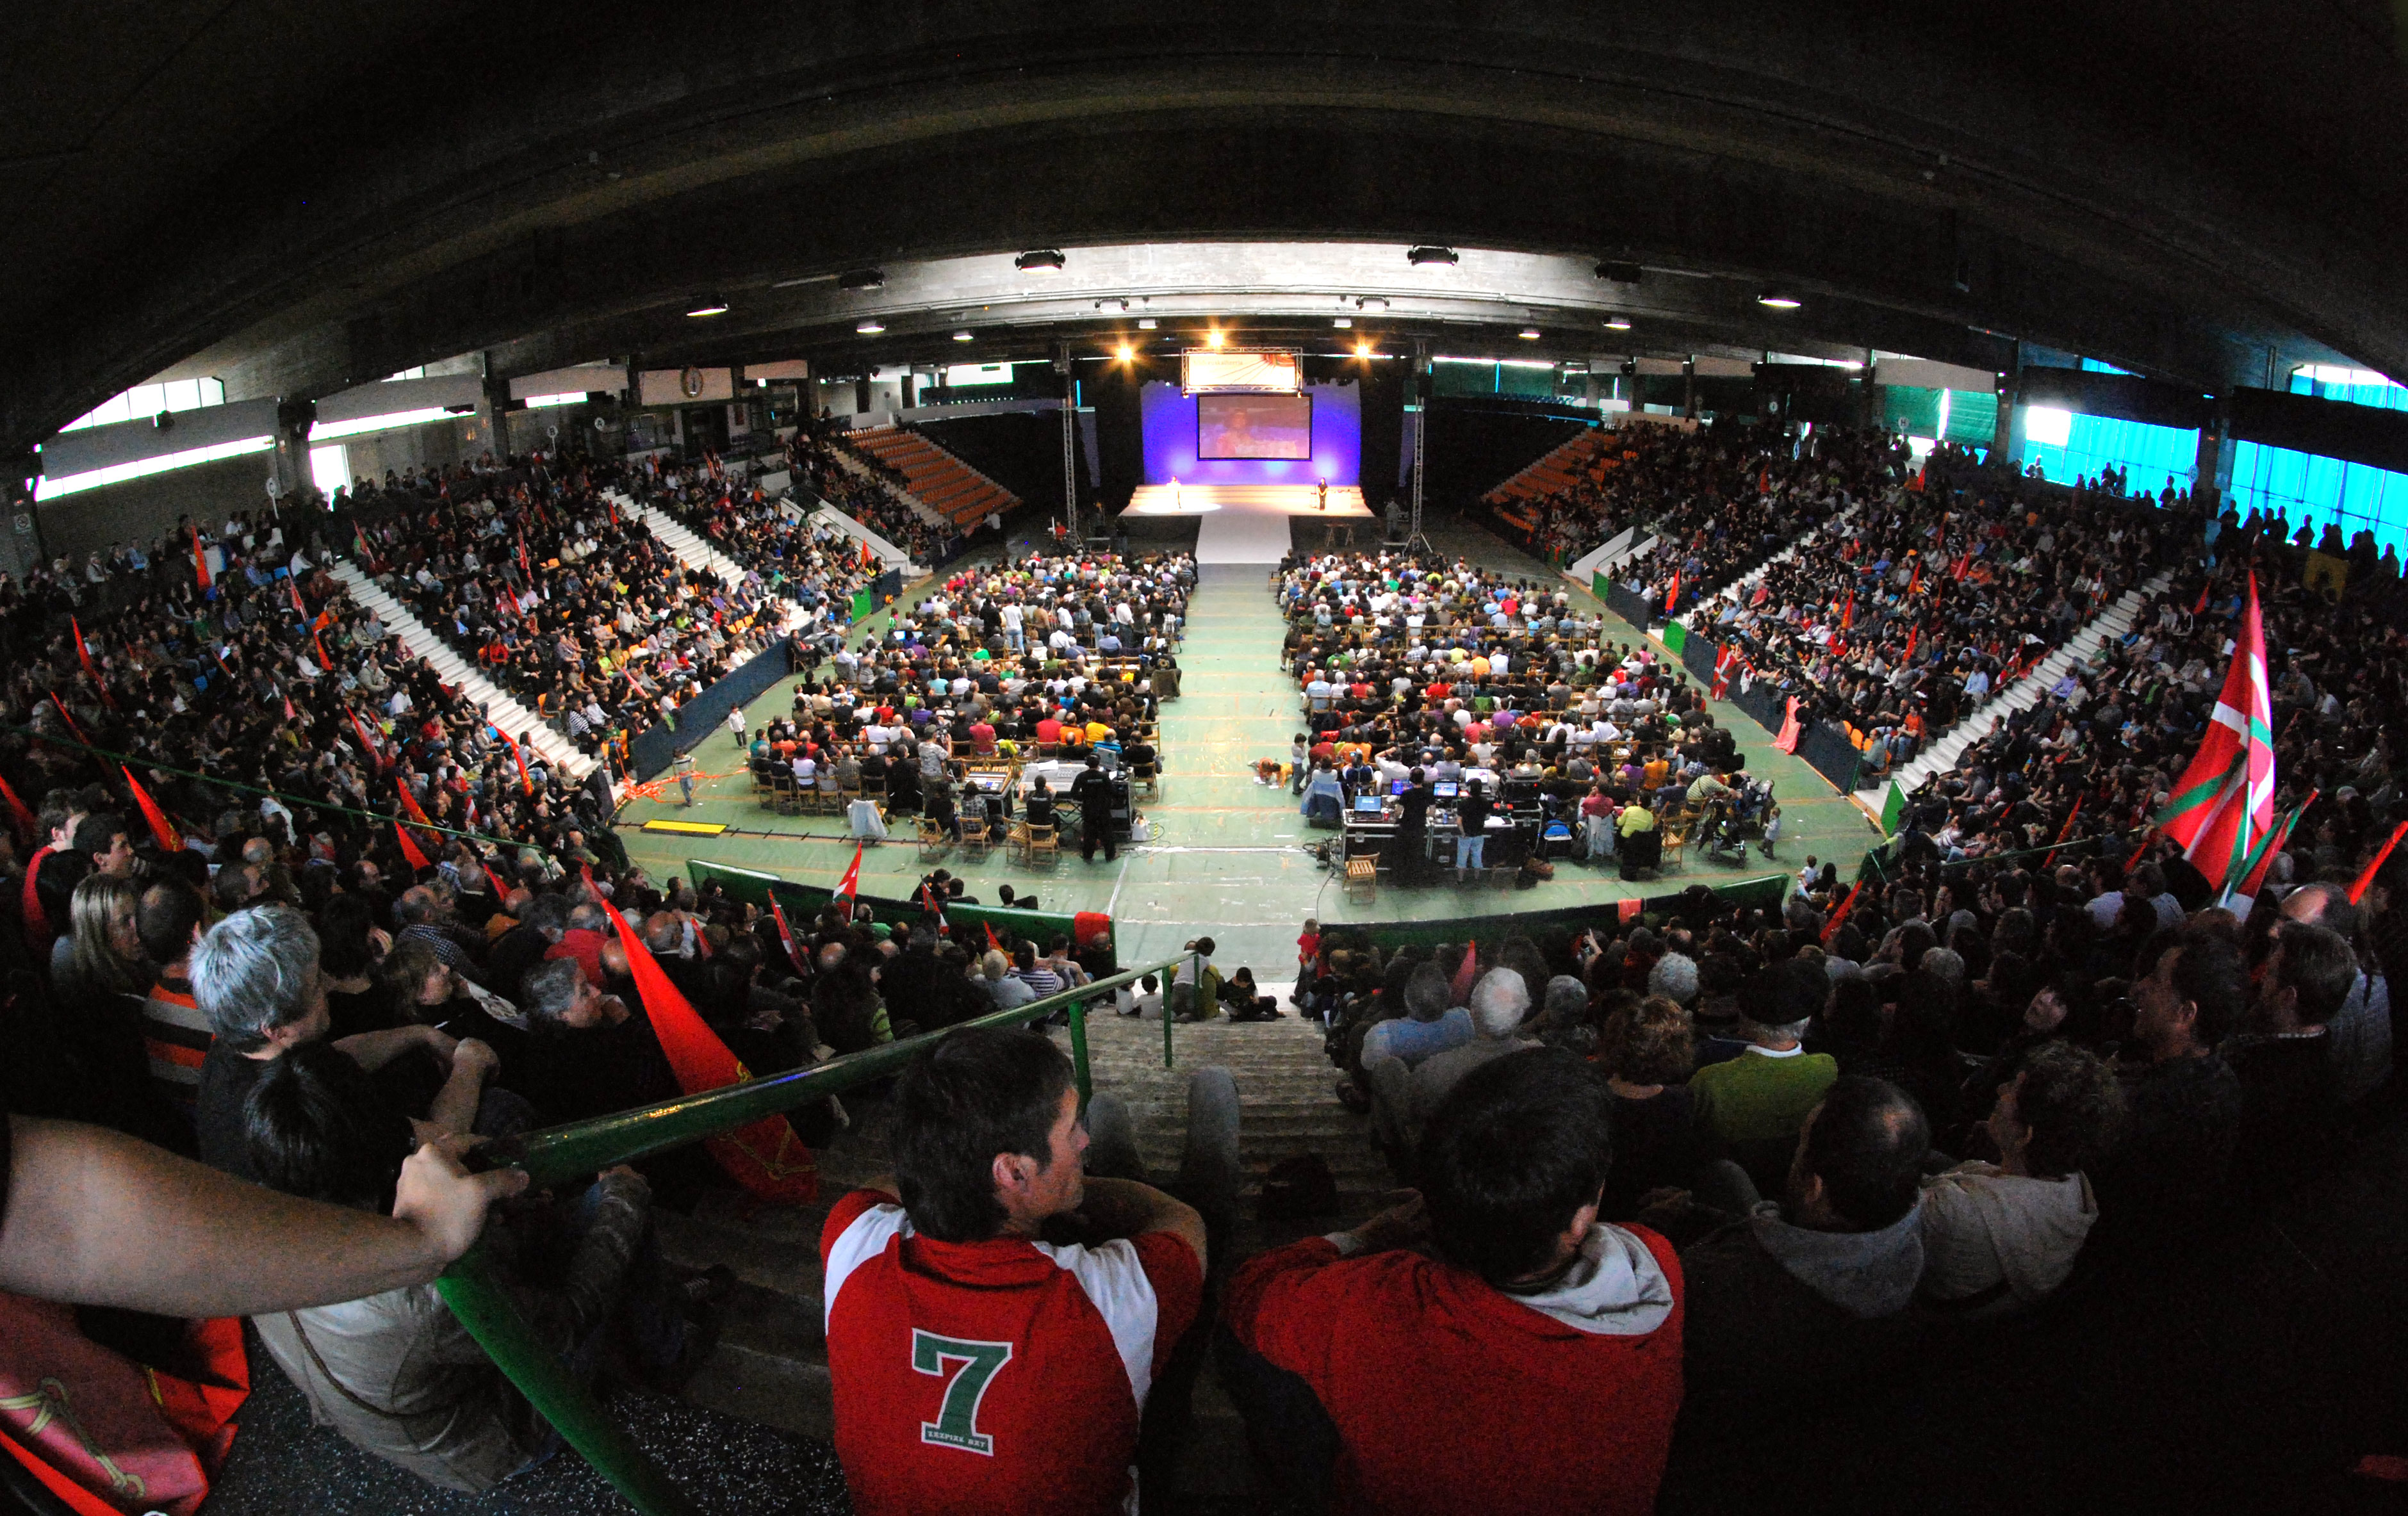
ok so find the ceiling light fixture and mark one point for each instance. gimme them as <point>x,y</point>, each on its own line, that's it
<point>1424,257</point>
<point>1779,300</point>
<point>1041,260</point>
<point>1213,337</point>
<point>1126,352</point>
<point>962,337</point>
<point>1617,323</point>
<point>1112,305</point>
<point>1362,349</point>
<point>861,279</point>
<point>1372,304</point>
<point>1530,333</point>
<point>712,307</point>
<point>1342,322</point>
<point>871,327</point>
<point>1147,323</point>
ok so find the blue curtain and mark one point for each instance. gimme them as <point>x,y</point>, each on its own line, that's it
<point>2156,457</point>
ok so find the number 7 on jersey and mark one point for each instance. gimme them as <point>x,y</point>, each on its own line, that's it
<point>957,1423</point>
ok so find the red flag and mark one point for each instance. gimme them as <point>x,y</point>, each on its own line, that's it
<point>2204,589</point>
<point>1964,561</point>
<point>1848,614</point>
<point>1831,927</point>
<point>1764,482</point>
<point>322,663</point>
<point>1911,633</point>
<point>2358,890</point>
<point>367,744</point>
<point>2062,833</point>
<point>295,586</point>
<point>1914,582</point>
<point>289,714</point>
<point>1672,593</point>
<point>72,727</point>
<point>501,891</point>
<point>785,933</point>
<point>848,888</point>
<point>991,941</point>
<point>1786,739</point>
<point>526,785</point>
<point>162,828</point>
<point>522,557</point>
<point>81,651</point>
<point>27,826</point>
<point>200,560</point>
<point>864,556</point>
<point>612,509</point>
<point>410,850</point>
<point>2225,800</point>
<point>1726,660</point>
<point>766,1157</point>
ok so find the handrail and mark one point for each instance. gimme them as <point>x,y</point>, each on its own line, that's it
<point>479,1301</point>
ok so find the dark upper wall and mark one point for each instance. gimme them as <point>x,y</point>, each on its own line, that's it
<point>313,195</point>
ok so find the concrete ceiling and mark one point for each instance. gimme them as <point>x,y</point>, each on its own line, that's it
<point>299,197</point>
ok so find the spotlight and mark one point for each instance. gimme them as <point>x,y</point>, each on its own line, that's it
<point>1041,260</point>
<point>1362,349</point>
<point>1125,352</point>
<point>870,327</point>
<point>1422,257</point>
<point>862,280</point>
<point>1530,333</point>
<point>1147,323</point>
<point>1342,322</point>
<point>712,307</point>
<point>1617,323</point>
<point>1779,300</point>
<point>962,337</point>
<point>1213,337</point>
<point>1372,304</point>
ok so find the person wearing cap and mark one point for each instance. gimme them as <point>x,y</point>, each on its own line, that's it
<point>1750,1107</point>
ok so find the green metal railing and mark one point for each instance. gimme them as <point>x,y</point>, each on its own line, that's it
<point>478,1299</point>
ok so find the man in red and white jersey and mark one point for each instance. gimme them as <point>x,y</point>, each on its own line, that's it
<point>978,1367</point>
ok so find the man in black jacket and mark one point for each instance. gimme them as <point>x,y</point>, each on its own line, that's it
<point>1093,791</point>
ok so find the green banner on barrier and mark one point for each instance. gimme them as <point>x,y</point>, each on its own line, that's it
<point>1767,893</point>
<point>863,604</point>
<point>1676,636</point>
<point>803,902</point>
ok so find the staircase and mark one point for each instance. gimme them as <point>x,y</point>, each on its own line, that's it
<point>956,492</point>
<point>456,671</point>
<point>771,1363</point>
<point>1941,754</point>
<point>1745,581</point>
<point>683,545</point>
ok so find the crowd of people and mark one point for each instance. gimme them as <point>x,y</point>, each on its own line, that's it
<point>869,490</point>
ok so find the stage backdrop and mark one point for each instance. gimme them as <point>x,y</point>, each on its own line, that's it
<point>1169,424</point>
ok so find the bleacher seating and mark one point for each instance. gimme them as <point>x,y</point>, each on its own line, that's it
<point>936,477</point>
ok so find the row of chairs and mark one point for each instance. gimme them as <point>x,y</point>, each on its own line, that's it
<point>1030,846</point>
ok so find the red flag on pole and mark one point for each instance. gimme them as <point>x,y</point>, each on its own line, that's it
<point>72,729</point>
<point>1848,613</point>
<point>162,828</point>
<point>2062,833</point>
<point>524,568</point>
<point>1831,927</point>
<point>293,585</point>
<point>2225,800</point>
<point>1964,561</point>
<point>766,1157</point>
<point>2205,589</point>
<point>526,784</point>
<point>2358,890</point>
<point>410,850</point>
<point>1914,581</point>
<point>28,828</point>
<point>324,663</point>
<point>367,744</point>
<point>1786,738</point>
<point>200,560</point>
<point>1672,593</point>
<point>1726,660</point>
<point>501,891</point>
<point>991,941</point>
<point>785,933</point>
<point>1911,633</point>
<point>848,888</point>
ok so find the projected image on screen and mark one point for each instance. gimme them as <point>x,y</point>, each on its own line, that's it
<point>1253,426</point>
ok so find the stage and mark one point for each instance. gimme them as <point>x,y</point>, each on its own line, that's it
<point>1250,523</point>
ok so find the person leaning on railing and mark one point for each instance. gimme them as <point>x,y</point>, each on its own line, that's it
<point>976,1365</point>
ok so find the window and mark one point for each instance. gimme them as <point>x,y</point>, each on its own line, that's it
<point>144,401</point>
<point>2068,445</point>
<point>330,468</point>
<point>2308,490</point>
<point>51,489</point>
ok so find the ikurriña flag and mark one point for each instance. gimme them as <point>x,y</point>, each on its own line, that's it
<point>2224,802</point>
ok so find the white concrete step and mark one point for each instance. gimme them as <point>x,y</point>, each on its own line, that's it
<point>1747,581</point>
<point>687,548</point>
<point>453,670</point>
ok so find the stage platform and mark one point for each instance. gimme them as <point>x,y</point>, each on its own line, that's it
<point>1250,523</point>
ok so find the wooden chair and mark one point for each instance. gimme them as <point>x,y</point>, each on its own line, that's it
<point>1039,843</point>
<point>827,799</point>
<point>977,837</point>
<point>934,840</point>
<point>763,779</point>
<point>789,797</point>
<point>845,795</point>
<point>1675,834</point>
<point>1147,777</point>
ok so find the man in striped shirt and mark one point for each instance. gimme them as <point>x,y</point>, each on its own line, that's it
<point>174,1033</point>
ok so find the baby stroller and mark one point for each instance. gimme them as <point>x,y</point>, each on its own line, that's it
<point>1733,821</point>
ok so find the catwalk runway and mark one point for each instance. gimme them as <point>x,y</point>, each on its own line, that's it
<point>1248,523</point>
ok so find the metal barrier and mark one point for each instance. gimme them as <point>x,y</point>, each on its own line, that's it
<point>477,1296</point>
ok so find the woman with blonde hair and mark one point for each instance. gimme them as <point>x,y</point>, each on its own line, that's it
<point>99,981</point>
